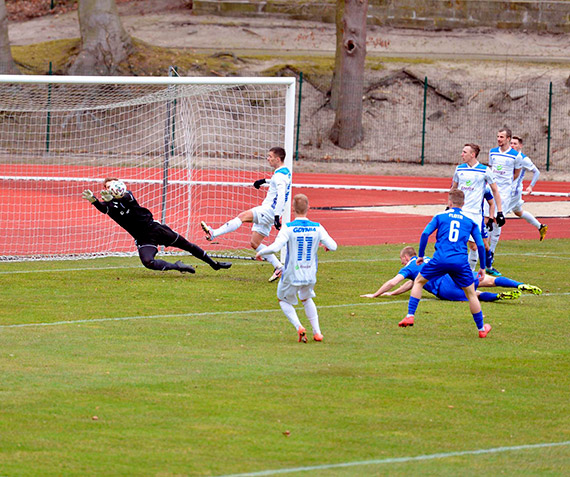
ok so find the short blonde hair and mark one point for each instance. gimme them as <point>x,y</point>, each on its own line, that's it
<point>300,204</point>
<point>457,197</point>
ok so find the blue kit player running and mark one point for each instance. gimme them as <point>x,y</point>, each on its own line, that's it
<point>445,288</point>
<point>302,238</point>
<point>453,232</point>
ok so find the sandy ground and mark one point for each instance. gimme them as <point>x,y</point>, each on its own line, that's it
<point>168,23</point>
<point>478,54</point>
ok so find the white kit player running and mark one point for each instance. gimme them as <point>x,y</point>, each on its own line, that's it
<point>471,177</point>
<point>527,165</point>
<point>265,215</point>
<point>506,163</point>
<point>302,238</point>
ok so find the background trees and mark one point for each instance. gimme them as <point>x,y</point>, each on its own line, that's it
<point>104,41</point>
<point>7,64</point>
<point>348,79</point>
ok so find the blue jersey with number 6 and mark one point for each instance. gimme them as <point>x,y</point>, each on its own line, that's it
<point>453,231</point>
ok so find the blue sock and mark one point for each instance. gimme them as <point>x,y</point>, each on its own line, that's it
<point>487,296</point>
<point>489,256</point>
<point>413,305</point>
<point>506,282</point>
<point>478,317</point>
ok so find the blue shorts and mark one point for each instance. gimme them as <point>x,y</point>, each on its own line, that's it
<point>460,272</point>
<point>448,290</point>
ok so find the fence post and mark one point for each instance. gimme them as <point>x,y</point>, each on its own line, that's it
<point>298,116</point>
<point>424,119</point>
<point>549,127</point>
<point>48,122</point>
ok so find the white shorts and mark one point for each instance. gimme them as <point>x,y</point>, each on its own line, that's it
<point>289,293</point>
<point>263,219</point>
<point>508,203</point>
<point>478,219</point>
<point>517,203</point>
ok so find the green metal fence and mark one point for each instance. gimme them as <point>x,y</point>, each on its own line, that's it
<point>411,119</point>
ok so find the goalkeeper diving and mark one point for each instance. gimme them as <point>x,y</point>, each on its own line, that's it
<point>121,206</point>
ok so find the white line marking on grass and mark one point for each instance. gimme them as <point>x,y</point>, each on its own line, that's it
<point>94,269</point>
<point>398,460</point>
<point>219,313</point>
<point>553,255</point>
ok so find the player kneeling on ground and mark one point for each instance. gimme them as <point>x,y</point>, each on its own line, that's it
<point>120,204</point>
<point>302,238</point>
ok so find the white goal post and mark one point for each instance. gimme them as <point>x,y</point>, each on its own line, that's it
<point>188,148</point>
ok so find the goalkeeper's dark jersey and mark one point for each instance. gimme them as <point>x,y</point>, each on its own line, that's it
<point>127,212</point>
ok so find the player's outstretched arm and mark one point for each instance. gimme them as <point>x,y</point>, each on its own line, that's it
<point>402,289</point>
<point>259,182</point>
<point>387,286</point>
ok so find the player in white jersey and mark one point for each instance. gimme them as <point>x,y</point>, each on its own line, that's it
<point>506,163</point>
<point>265,215</point>
<point>302,238</point>
<point>472,177</point>
<point>527,165</point>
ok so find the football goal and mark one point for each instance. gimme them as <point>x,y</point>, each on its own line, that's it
<point>188,148</point>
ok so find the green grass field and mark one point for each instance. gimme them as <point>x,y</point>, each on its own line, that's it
<point>111,369</point>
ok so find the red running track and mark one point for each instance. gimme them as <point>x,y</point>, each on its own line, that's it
<point>351,226</point>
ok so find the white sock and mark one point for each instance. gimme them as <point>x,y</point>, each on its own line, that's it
<point>473,257</point>
<point>312,315</point>
<point>271,258</point>
<point>290,313</point>
<point>494,238</point>
<point>229,226</point>
<point>530,219</point>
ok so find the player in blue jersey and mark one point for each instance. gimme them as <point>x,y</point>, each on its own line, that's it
<point>267,214</point>
<point>302,238</point>
<point>527,165</point>
<point>445,288</point>
<point>472,178</point>
<point>506,164</point>
<point>453,231</point>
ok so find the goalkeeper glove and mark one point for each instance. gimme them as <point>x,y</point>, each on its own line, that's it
<point>489,224</point>
<point>500,219</point>
<point>106,195</point>
<point>277,222</point>
<point>88,195</point>
<point>258,183</point>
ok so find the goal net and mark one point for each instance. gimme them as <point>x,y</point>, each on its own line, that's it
<point>188,148</point>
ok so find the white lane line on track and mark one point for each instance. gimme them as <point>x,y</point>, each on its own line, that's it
<point>398,460</point>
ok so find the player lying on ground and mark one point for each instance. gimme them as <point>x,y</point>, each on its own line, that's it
<point>302,238</point>
<point>267,214</point>
<point>453,232</point>
<point>444,287</point>
<point>120,204</point>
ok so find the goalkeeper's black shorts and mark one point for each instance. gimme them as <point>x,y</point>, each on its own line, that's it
<point>156,234</point>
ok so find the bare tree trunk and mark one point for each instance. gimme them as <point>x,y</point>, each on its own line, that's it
<point>348,79</point>
<point>7,65</point>
<point>104,41</point>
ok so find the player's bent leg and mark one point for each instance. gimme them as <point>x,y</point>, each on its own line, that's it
<point>147,254</point>
<point>199,253</point>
